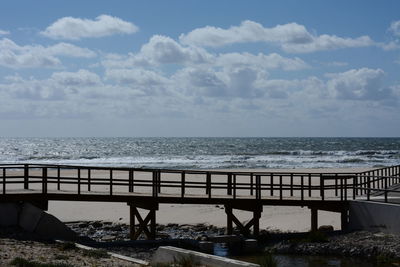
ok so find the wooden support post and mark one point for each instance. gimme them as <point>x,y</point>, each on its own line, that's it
<point>314,219</point>
<point>146,225</point>
<point>244,229</point>
<point>344,219</point>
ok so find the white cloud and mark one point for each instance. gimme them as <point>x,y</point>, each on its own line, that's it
<point>79,78</point>
<point>13,55</point>
<point>395,28</point>
<point>271,61</point>
<point>292,37</point>
<point>358,84</point>
<point>2,32</point>
<point>159,50</point>
<point>76,28</point>
<point>64,49</point>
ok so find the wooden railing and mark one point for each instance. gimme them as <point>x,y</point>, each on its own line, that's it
<point>196,183</point>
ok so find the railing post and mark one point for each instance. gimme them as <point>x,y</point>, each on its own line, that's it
<point>229,184</point>
<point>272,184</point>
<point>322,187</point>
<point>155,190</point>
<point>345,188</point>
<point>79,181</point>
<point>336,185</point>
<point>302,187</point>
<point>309,185</point>
<point>4,180</point>
<point>58,178</point>
<point>183,184</point>
<point>386,182</point>
<point>209,185</point>
<point>159,181</point>
<point>26,176</point>
<point>89,177</point>
<point>130,189</point>
<point>291,184</point>
<point>111,182</point>
<point>251,184</point>
<point>44,180</point>
<point>354,186</point>
<point>234,186</point>
<point>280,187</point>
<point>258,187</point>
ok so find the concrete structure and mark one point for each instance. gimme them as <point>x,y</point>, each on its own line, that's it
<point>374,216</point>
<point>34,220</point>
<point>170,254</point>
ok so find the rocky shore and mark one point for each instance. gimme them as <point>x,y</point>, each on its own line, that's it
<point>114,237</point>
<point>375,246</point>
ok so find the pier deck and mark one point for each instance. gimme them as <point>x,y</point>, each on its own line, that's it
<point>243,190</point>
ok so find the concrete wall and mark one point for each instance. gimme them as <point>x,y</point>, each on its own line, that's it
<point>373,216</point>
<point>170,254</point>
<point>34,220</point>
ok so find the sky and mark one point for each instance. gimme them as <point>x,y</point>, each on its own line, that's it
<point>200,68</point>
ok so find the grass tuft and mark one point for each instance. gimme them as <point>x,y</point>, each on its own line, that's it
<point>21,262</point>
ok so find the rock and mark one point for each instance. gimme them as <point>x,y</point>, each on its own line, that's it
<point>116,228</point>
<point>202,238</point>
<point>83,225</point>
<point>108,238</point>
<point>97,224</point>
<point>325,228</point>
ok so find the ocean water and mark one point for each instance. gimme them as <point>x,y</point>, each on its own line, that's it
<point>202,153</point>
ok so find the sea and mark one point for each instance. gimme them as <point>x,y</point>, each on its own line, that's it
<point>204,153</point>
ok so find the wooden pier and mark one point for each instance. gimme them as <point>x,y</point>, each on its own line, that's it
<point>146,189</point>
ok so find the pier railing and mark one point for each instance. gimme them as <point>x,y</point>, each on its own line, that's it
<point>206,184</point>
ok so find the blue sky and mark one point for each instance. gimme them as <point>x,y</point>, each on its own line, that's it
<point>199,68</point>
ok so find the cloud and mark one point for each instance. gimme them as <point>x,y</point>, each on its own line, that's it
<point>271,61</point>
<point>79,78</point>
<point>2,32</point>
<point>291,37</point>
<point>157,51</point>
<point>15,56</point>
<point>395,28</point>
<point>358,84</point>
<point>70,28</point>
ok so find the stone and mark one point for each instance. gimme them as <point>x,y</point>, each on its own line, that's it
<point>325,228</point>
<point>108,238</point>
<point>97,224</point>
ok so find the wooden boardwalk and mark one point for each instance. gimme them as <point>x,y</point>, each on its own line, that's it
<point>147,188</point>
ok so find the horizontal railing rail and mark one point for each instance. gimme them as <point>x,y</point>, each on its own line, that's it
<point>196,183</point>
